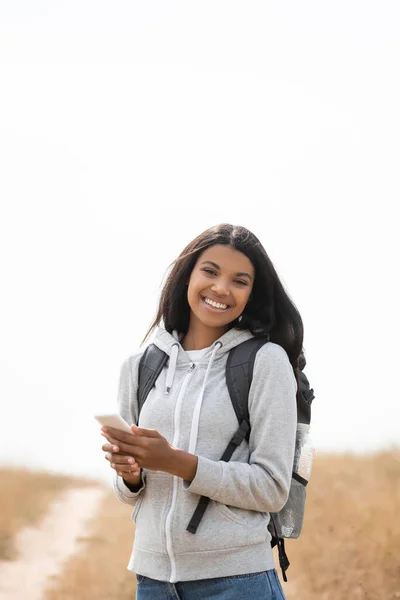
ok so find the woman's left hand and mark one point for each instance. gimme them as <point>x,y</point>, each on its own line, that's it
<point>150,449</point>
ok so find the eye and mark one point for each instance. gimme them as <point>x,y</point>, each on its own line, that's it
<point>209,271</point>
<point>241,282</point>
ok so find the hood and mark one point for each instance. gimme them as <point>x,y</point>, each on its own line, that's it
<point>166,341</point>
<point>170,344</point>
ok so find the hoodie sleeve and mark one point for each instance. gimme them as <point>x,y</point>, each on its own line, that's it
<point>263,483</point>
<point>128,409</point>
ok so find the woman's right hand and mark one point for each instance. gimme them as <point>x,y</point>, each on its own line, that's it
<point>123,464</point>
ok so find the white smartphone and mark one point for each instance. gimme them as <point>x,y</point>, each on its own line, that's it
<point>113,420</point>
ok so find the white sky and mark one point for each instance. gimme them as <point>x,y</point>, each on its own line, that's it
<point>127,128</point>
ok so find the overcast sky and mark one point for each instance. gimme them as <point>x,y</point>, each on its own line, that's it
<point>127,128</point>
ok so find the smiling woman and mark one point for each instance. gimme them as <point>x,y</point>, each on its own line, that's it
<point>221,292</point>
<point>218,291</point>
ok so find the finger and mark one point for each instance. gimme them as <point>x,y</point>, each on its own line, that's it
<point>110,448</point>
<point>125,469</point>
<point>142,432</point>
<point>118,443</point>
<point>127,475</point>
<point>117,434</point>
<point>132,448</point>
<point>110,456</point>
<point>120,459</point>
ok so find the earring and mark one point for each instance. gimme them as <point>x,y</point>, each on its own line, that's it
<point>240,318</point>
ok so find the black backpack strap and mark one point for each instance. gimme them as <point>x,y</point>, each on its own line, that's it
<point>205,500</point>
<point>239,373</point>
<point>280,543</point>
<point>150,366</point>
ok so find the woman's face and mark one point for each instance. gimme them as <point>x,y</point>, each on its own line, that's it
<point>220,286</point>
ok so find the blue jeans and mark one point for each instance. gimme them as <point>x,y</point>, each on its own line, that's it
<point>253,586</point>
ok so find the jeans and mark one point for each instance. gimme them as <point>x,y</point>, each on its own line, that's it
<point>253,586</point>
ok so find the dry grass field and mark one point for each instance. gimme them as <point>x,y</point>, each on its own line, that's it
<point>349,547</point>
<point>24,498</point>
<point>350,544</point>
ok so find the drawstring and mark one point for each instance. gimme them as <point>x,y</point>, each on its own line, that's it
<point>171,368</point>
<point>197,408</point>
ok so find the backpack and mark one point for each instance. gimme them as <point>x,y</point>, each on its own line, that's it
<point>286,523</point>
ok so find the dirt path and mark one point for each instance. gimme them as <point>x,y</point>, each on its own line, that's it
<point>44,550</point>
<point>291,590</point>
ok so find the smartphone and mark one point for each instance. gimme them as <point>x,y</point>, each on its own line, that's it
<point>114,420</point>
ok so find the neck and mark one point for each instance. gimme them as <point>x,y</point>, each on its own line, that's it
<point>200,336</point>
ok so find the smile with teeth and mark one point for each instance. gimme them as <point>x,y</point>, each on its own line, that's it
<point>215,304</point>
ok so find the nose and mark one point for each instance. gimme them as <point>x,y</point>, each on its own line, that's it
<point>220,288</point>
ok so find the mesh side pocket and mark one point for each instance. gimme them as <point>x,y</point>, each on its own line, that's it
<point>289,520</point>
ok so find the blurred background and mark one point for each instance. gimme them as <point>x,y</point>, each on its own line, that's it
<point>127,128</point>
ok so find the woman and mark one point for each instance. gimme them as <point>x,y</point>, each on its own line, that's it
<point>221,291</point>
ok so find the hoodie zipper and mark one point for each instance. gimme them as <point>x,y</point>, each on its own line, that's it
<point>168,521</point>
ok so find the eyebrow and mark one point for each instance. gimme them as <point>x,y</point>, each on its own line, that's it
<point>219,268</point>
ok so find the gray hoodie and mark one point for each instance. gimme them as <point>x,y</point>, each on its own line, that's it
<point>191,407</point>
